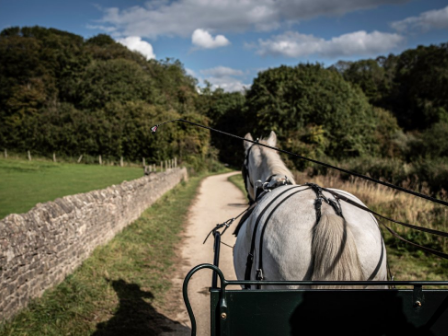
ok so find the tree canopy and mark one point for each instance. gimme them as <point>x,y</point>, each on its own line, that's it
<point>62,93</point>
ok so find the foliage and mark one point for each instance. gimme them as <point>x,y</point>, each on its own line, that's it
<point>66,95</point>
<point>117,80</point>
<point>370,76</point>
<point>411,85</point>
<point>421,82</point>
<point>61,93</point>
<point>315,112</point>
<point>226,112</point>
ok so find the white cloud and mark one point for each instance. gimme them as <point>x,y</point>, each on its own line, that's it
<point>433,19</point>
<point>107,29</point>
<point>182,17</point>
<point>190,72</point>
<point>228,84</point>
<point>360,43</point>
<point>221,71</point>
<point>202,38</point>
<point>135,43</point>
<point>228,79</point>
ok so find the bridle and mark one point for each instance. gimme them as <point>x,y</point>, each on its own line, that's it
<point>261,188</point>
<point>246,177</point>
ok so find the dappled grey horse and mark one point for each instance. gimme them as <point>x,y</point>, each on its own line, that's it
<point>302,232</point>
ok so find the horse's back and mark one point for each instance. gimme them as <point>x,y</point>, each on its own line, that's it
<point>285,218</point>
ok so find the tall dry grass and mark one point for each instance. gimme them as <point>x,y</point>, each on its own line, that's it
<point>394,204</point>
<point>406,262</point>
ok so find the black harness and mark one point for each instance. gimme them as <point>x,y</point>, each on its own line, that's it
<point>266,187</point>
<point>320,197</point>
<point>245,173</point>
<point>262,187</point>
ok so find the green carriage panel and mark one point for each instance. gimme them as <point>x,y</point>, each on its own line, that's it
<point>370,312</point>
<point>329,312</point>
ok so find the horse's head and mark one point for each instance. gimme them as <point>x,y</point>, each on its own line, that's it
<point>262,163</point>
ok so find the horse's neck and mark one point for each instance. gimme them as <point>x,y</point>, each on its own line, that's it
<point>275,166</point>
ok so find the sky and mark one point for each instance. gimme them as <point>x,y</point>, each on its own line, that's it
<point>228,42</point>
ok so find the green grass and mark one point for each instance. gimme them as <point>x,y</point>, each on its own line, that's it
<point>239,182</point>
<point>25,183</point>
<point>114,291</point>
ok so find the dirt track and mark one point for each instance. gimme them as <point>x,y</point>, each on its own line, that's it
<point>217,200</point>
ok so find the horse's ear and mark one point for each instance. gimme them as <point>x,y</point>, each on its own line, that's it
<point>246,143</point>
<point>272,140</point>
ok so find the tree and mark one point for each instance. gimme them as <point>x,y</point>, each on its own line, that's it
<point>421,85</point>
<point>370,77</point>
<point>114,80</point>
<point>314,112</point>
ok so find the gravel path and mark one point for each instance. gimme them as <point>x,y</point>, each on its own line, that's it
<point>217,200</point>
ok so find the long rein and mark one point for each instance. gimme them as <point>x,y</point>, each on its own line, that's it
<point>335,194</point>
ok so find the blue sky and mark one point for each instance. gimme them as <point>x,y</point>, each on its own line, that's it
<point>227,42</point>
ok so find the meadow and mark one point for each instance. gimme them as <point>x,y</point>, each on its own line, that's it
<point>24,183</point>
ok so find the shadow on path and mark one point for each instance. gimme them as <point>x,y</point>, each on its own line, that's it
<point>135,316</point>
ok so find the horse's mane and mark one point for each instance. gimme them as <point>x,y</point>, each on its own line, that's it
<point>274,162</point>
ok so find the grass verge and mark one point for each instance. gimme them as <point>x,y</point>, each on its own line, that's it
<point>115,290</point>
<point>25,183</point>
<point>239,182</point>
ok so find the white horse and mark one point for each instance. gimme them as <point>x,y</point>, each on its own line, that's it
<point>295,243</point>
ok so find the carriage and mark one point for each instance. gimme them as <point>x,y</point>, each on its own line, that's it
<point>345,288</point>
<point>413,311</point>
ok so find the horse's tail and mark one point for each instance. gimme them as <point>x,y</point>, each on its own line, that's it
<point>335,256</point>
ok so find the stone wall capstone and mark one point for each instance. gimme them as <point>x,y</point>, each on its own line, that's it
<point>40,248</point>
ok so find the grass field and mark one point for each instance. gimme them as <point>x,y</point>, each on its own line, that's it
<point>25,183</point>
<point>116,290</point>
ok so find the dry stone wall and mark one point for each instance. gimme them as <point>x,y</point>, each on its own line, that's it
<point>40,248</point>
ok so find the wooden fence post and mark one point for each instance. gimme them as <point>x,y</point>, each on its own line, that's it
<point>100,161</point>
<point>29,156</point>
<point>161,166</point>
<point>80,158</point>
<point>54,157</point>
<point>121,161</point>
<point>175,162</point>
<point>144,162</point>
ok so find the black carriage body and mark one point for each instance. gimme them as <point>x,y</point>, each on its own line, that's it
<point>370,312</point>
<point>329,312</point>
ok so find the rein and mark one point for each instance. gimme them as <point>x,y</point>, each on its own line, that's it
<point>265,187</point>
<point>387,184</point>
